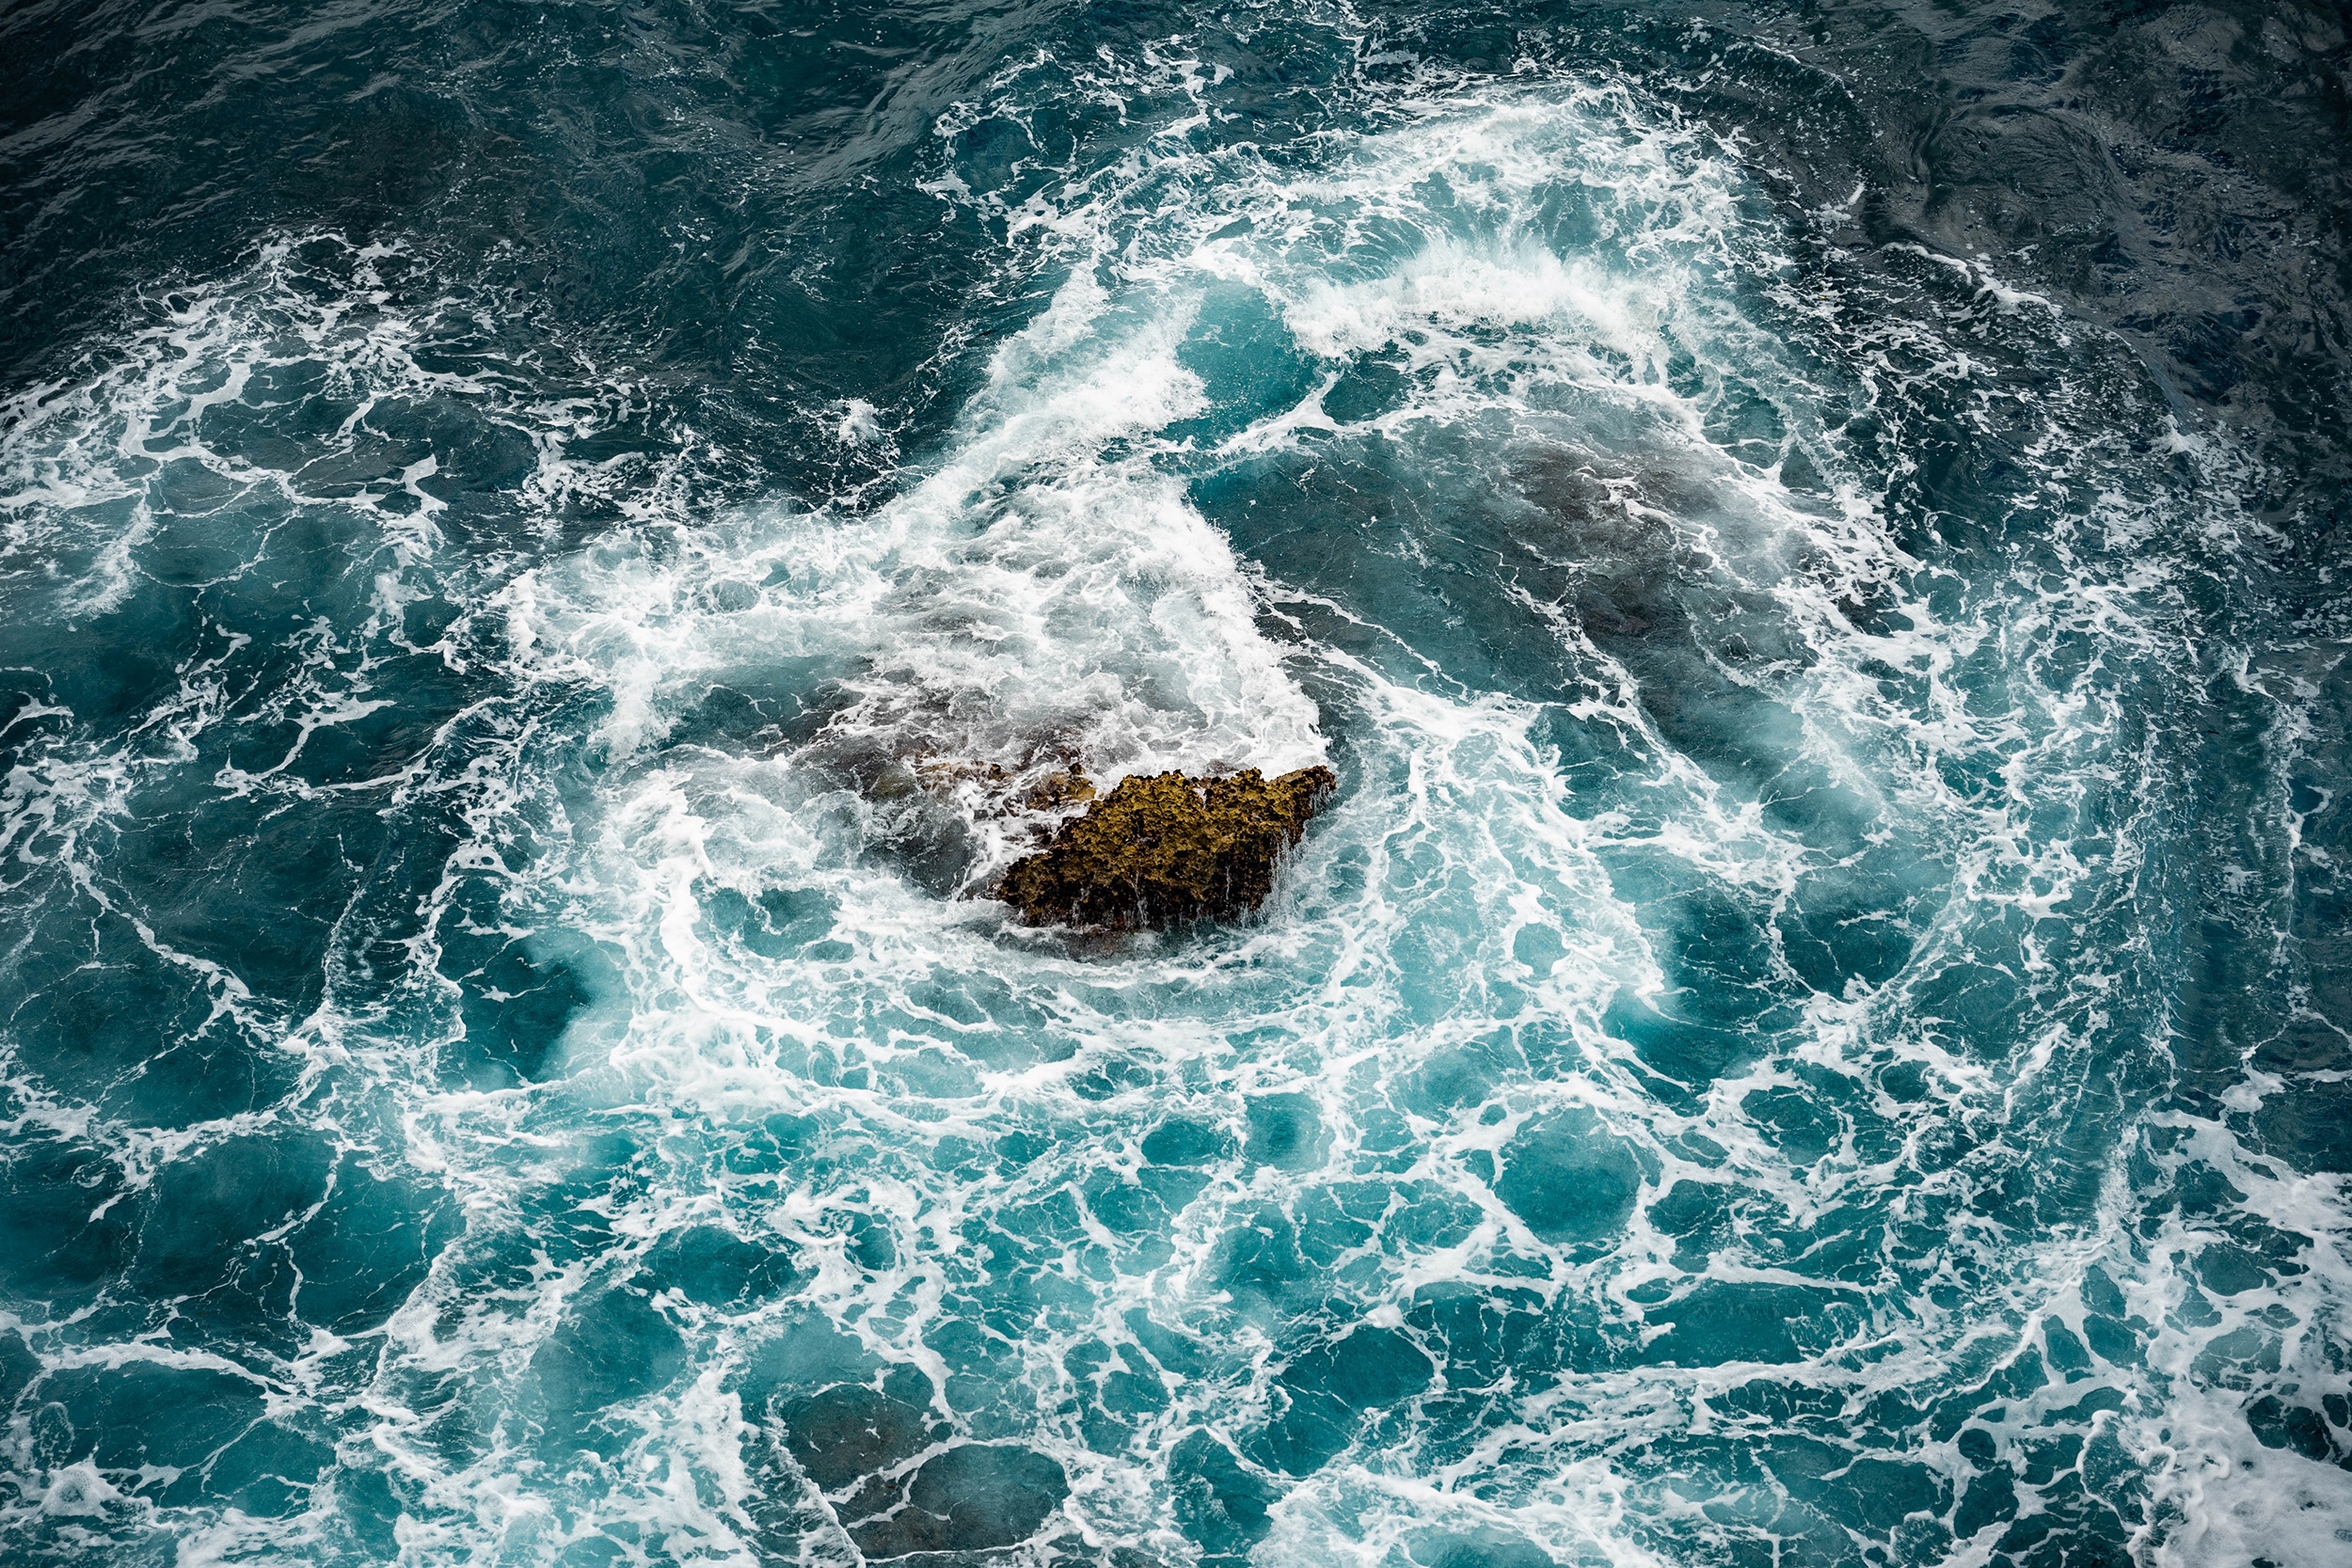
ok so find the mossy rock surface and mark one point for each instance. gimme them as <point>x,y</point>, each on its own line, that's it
<point>1157,851</point>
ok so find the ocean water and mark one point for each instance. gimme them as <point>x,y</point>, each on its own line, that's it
<point>1817,1030</point>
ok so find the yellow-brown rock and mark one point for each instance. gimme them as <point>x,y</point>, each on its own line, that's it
<point>1160,850</point>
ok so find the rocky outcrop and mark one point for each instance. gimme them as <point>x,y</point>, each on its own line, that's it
<point>1156,851</point>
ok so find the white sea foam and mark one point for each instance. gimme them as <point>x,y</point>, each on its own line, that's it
<point>1442,975</point>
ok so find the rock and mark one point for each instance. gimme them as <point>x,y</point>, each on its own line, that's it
<point>994,791</point>
<point>1168,848</point>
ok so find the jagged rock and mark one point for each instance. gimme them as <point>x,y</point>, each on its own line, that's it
<point>1163,849</point>
<point>996,790</point>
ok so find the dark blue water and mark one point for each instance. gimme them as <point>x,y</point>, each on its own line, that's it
<point>544,549</point>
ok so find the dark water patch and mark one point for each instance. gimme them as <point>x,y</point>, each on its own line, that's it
<point>615,1346</point>
<point>1220,1500</point>
<point>973,1497</point>
<point>1571,1181</point>
<point>1329,1388</point>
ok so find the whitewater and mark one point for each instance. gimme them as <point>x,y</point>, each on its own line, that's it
<point>1814,1029</point>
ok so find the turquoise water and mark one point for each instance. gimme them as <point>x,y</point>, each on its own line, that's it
<point>1814,1031</point>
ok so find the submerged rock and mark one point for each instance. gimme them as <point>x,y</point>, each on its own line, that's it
<point>1171,848</point>
<point>995,791</point>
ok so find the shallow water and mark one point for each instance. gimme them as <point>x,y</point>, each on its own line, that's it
<point>1815,1031</point>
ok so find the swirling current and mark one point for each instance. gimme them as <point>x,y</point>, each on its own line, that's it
<point>1816,1029</point>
